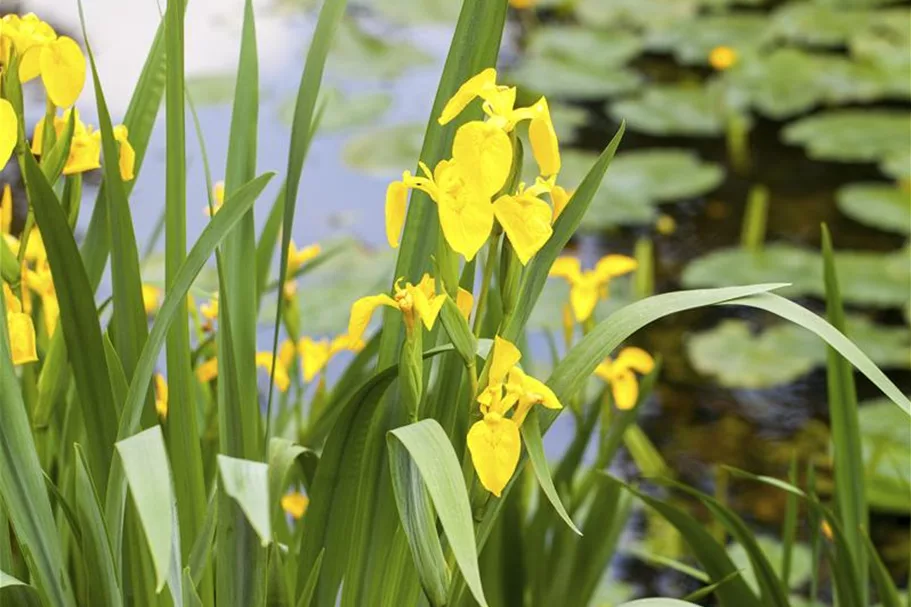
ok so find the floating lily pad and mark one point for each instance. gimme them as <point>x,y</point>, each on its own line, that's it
<point>692,111</point>
<point>879,205</point>
<point>692,41</point>
<point>211,89</point>
<point>865,278</point>
<point>153,273</point>
<point>343,111</point>
<point>801,561</point>
<point>417,12</point>
<point>791,81</point>
<point>563,78</point>
<point>361,55</point>
<point>897,165</point>
<point>883,46</point>
<point>852,135</point>
<point>639,180</point>
<point>817,23</point>
<point>636,13</point>
<point>584,46</point>
<point>886,442</point>
<point>737,357</point>
<point>385,151</point>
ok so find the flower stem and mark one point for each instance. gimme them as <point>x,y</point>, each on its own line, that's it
<point>489,265</point>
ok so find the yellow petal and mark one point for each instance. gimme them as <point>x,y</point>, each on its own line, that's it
<point>362,310</point>
<point>583,297</point>
<point>314,356</point>
<point>207,371</point>
<point>543,139</point>
<point>505,356</point>
<point>467,93</point>
<point>161,396</point>
<point>344,342</point>
<point>427,308</point>
<point>9,131</point>
<point>604,370</point>
<point>396,202</point>
<point>85,154</point>
<point>484,152</point>
<point>151,297</point>
<point>22,338</point>
<point>614,265</point>
<point>636,359</point>
<point>526,221</point>
<point>541,392</point>
<point>298,257</point>
<point>722,57</point>
<point>466,222</point>
<point>62,71</point>
<point>625,389</point>
<point>567,267</point>
<point>265,361</point>
<point>295,504</point>
<point>465,302</point>
<point>127,158</point>
<point>30,63</point>
<point>6,209</point>
<point>560,198</point>
<point>286,353</point>
<point>495,446</point>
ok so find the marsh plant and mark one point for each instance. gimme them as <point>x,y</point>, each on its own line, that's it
<point>140,463</point>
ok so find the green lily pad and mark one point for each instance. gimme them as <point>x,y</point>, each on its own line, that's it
<point>897,165</point>
<point>879,205</point>
<point>342,111</point>
<point>647,14</point>
<point>886,443</point>
<point>801,561</point>
<point>385,151</point>
<point>866,278</point>
<point>686,110</point>
<point>584,46</point>
<point>692,41</point>
<point>791,81</point>
<point>417,12</point>
<point>883,47</point>
<point>852,135</point>
<point>818,24</point>
<point>638,181</point>
<point>357,54</point>
<point>736,357</point>
<point>153,273</point>
<point>212,89</point>
<point>564,78</point>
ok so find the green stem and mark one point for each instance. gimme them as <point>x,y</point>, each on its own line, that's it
<point>489,265</point>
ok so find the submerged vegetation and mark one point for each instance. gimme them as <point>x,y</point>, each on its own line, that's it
<point>157,449</point>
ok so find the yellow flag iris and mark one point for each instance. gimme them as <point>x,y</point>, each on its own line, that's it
<point>316,354</point>
<point>21,330</point>
<point>295,503</point>
<point>9,131</point>
<point>494,441</point>
<point>161,396</point>
<point>85,147</point>
<point>620,373</point>
<point>586,288</point>
<point>415,302</point>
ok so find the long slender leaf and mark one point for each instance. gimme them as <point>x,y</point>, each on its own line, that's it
<point>14,592</point>
<point>22,486</point>
<point>885,585</point>
<point>531,434</point>
<point>309,588</point>
<point>78,320</point>
<point>247,483</point>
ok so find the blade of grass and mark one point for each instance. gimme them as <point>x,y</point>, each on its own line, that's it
<point>531,434</point>
<point>885,585</point>
<point>22,486</point>
<point>850,496</point>
<point>14,592</point>
<point>789,530</point>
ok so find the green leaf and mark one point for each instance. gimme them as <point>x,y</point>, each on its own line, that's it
<point>22,486</point>
<point>432,453</point>
<point>190,596</point>
<point>882,579</point>
<point>851,135</point>
<point>878,205</point>
<point>458,331</point>
<point>17,593</point>
<point>201,551</point>
<point>217,89</point>
<point>52,162</point>
<point>283,456</point>
<point>658,603</point>
<point>96,547</point>
<point>78,320</point>
<point>247,483</point>
<point>691,44</point>
<point>148,473</point>
<point>886,442</point>
<point>309,588</point>
<point>531,435</point>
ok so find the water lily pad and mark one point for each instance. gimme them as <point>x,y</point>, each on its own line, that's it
<point>564,78</point>
<point>886,443</point>
<point>801,561</point>
<point>212,89</point>
<point>583,45</point>
<point>692,41</point>
<point>385,151</point>
<point>687,110</point>
<point>897,165</point>
<point>882,46</point>
<point>818,24</point>
<point>343,111</point>
<point>357,54</point>
<point>866,278</point>
<point>879,205</point>
<point>417,12</point>
<point>852,135</point>
<point>636,13</point>
<point>737,357</point>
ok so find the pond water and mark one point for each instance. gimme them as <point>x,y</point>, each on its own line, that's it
<point>754,423</point>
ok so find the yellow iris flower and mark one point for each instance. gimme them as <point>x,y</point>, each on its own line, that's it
<point>499,105</point>
<point>207,371</point>
<point>6,210</point>
<point>151,298</point>
<point>9,131</point>
<point>295,503</point>
<point>315,355</point>
<point>285,357</point>
<point>298,257</point>
<point>85,148</point>
<point>587,287</point>
<point>161,396</point>
<point>21,330</point>
<point>414,302</point>
<point>620,374</point>
<point>57,59</point>
<point>218,198</point>
<point>41,282</point>
<point>526,219</point>
<point>494,442</point>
